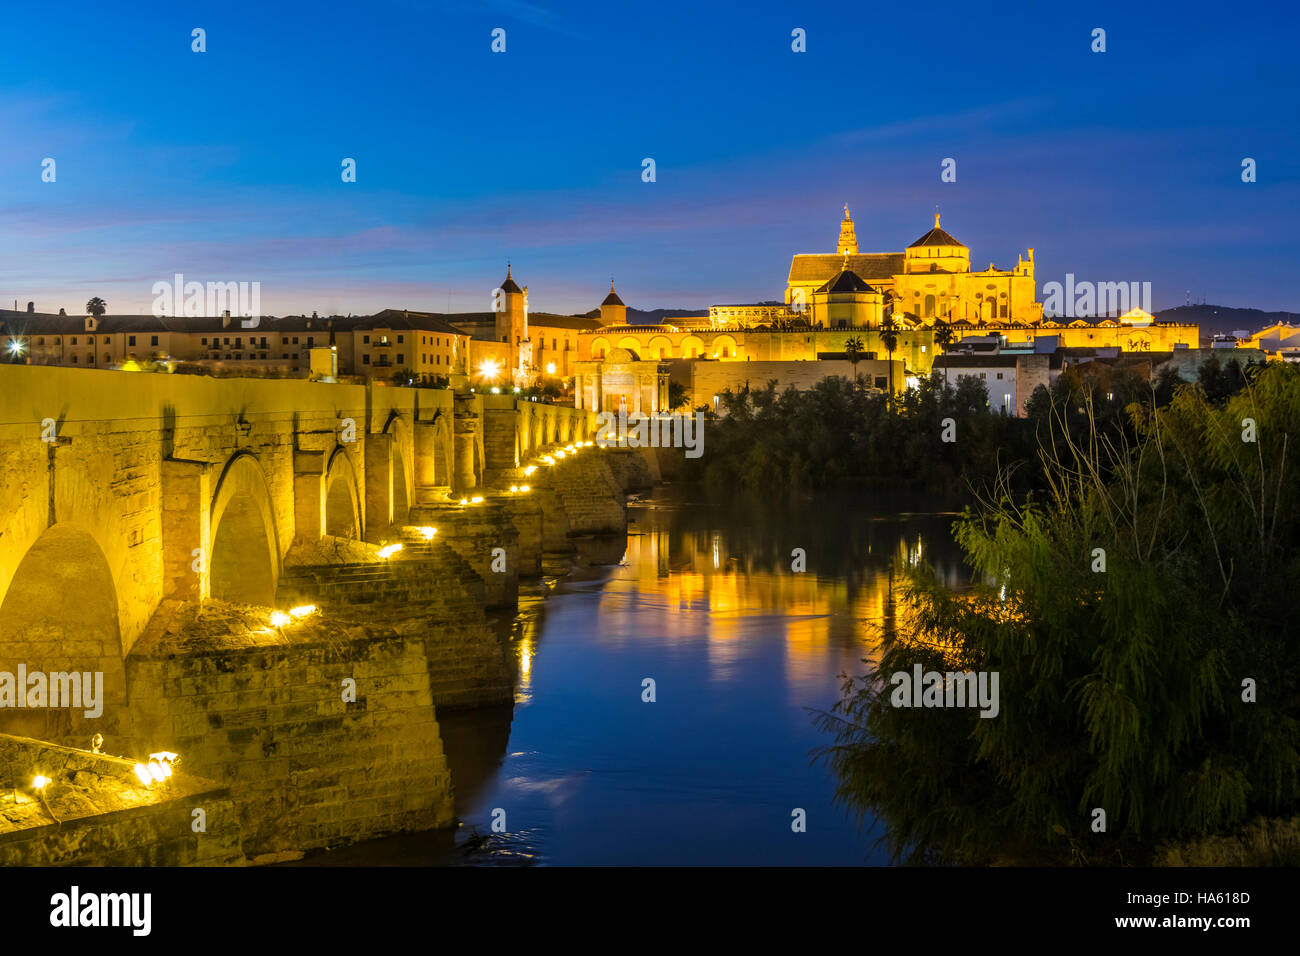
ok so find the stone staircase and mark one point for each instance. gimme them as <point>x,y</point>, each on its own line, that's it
<point>425,590</point>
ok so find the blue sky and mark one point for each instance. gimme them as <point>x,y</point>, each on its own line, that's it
<point>225,165</point>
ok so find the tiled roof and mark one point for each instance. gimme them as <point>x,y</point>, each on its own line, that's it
<point>510,285</point>
<point>821,268</point>
<point>846,281</point>
<point>936,237</point>
<point>398,319</point>
<point>548,320</point>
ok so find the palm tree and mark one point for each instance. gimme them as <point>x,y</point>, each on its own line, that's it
<point>853,349</point>
<point>889,338</point>
<point>943,335</point>
<point>96,307</point>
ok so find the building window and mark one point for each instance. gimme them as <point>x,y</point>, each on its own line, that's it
<point>311,340</point>
<point>74,360</point>
<point>399,340</point>
<point>74,340</point>
<point>153,340</point>
<point>106,340</point>
<point>366,339</point>
<point>295,340</point>
<point>130,340</point>
<point>437,360</point>
<point>284,340</point>
<point>401,359</point>
<point>365,360</point>
<point>999,374</point>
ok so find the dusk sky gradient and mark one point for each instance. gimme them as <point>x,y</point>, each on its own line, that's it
<point>224,166</point>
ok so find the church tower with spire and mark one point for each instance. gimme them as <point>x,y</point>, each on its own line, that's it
<point>848,244</point>
<point>612,310</point>
<point>512,323</point>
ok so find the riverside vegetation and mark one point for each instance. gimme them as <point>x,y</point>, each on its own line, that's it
<point>1134,545</point>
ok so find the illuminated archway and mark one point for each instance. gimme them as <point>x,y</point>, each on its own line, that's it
<point>692,347</point>
<point>659,347</point>
<point>245,562</point>
<point>402,475</point>
<point>724,347</point>
<point>342,499</point>
<point>60,617</point>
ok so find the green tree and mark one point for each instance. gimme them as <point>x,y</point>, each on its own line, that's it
<point>96,307</point>
<point>853,348</point>
<point>943,336</point>
<point>1134,615</point>
<point>889,338</point>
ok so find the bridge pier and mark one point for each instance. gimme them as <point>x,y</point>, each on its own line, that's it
<point>308,496</point>
<point>186,528</point>
<point>380,484</point>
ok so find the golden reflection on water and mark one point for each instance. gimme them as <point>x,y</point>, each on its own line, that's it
<point>701,591</point>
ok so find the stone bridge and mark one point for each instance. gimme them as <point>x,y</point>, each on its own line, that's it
<point>123,491</point>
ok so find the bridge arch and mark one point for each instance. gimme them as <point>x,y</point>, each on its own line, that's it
<point>401,464</point>
<point>244,566</point>
<point>59,615</point>
<point>342,496</point>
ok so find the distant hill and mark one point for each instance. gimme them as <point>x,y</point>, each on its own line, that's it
<point>1216,319</point>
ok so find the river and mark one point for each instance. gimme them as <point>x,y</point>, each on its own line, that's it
<point>742,650</point>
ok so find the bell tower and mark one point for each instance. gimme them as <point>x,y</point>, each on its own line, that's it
<point>512,322</point>
<point>848,244</point>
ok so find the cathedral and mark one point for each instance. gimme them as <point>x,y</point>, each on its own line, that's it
<point>931,279</point>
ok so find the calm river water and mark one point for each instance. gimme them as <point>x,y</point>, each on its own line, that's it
<point>702,599</point>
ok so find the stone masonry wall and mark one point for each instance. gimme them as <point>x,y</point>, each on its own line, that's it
<point>106,816</point>
<point>263,713</point>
